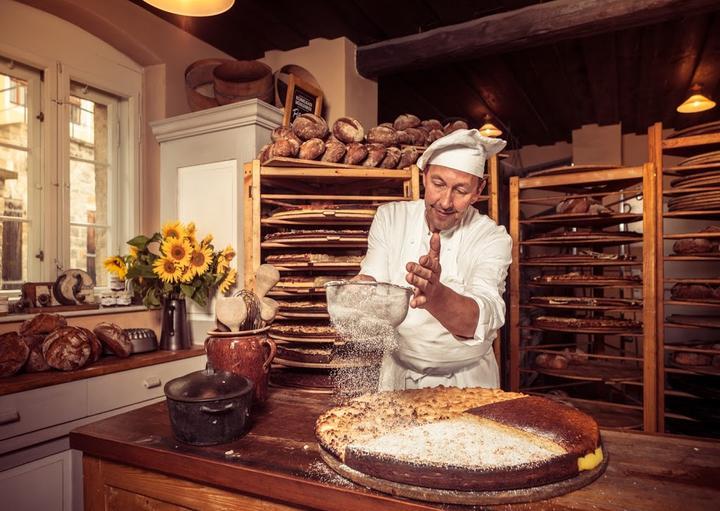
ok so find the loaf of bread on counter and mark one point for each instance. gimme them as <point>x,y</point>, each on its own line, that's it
<point>115,338</point>
<point>66,348</point>
<point>42,323</point>
<point>13,353</point>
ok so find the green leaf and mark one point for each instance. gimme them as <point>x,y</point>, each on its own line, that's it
<point>187,290</point>
<point>139,241</point>
<point>201,296</point>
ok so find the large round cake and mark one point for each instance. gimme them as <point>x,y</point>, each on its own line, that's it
<point>470,439</point>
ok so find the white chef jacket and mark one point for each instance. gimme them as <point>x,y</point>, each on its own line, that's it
<point>474,257</point>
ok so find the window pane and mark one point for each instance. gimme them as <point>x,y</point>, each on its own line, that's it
<point>13,111</point>
<point>14,254</point>
<point>88,130</point>
<point>88,250</point>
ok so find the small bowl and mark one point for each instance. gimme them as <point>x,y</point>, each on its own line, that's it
<point>378,300</point>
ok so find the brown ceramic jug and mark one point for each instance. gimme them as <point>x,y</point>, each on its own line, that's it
<point>247,354</point>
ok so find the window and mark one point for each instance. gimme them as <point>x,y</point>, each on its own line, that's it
<point>66,209</point>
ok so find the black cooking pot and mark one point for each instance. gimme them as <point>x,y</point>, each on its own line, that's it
<point>209,408</point>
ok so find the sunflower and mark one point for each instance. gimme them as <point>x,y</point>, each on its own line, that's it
<point>200,259</point>
<point>228,281</point>
<point>173,230</point>
<point>116,265</point>
<point>177,249</point>
<point>167,269</point>
<point>207,240</point>
<point>190,231</point>
<point>187,275</point>
<point>133,251</point>
<point>224,258</point>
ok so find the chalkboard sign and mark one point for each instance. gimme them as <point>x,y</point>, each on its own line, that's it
<point>301,98</point>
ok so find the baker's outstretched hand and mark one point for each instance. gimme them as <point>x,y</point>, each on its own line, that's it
<point>425,274</point>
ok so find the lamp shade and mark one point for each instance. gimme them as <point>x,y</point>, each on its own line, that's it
<point>489,129</point>
<point>696,103</point>
<point>192,7</point>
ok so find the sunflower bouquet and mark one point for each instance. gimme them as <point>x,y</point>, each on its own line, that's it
<point>173,263</point>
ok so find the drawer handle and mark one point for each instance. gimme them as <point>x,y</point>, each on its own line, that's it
<point>9,416</point>
<point>152,382</point>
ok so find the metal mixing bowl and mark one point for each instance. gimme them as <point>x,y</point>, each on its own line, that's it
<point>377,301</point>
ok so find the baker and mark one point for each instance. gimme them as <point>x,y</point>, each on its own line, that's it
<point>455,258</point>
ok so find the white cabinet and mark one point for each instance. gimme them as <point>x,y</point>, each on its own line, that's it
<point>38,471</point>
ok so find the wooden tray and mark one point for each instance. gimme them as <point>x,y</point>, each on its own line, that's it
<point>585,239</point>
<point>688,169</point>
<point>335,364</point>
<point>323,214</point>
<point>329,241</point>
<point>282,161</point>
<point>465,497</point>
<point>586,282</point>
<point>609,305</point>
<point>303,315</point>
<point>698,321</point>
<point>704,370</point>
<point>570,169</point>
<point>316,266</point>
<point>701,159</point>
<point>697,180</point>
<point>699,129</point>
<point>584,219</point>
<point>589,330</point>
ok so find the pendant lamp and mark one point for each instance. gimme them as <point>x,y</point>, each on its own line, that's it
<point>489,129</point>
<point>192,7</point>
<point>696,102</point>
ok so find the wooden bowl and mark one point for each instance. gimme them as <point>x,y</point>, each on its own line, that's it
<point>242,79</point>
<point>199,83</point>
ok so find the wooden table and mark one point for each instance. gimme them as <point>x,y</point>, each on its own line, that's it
<point>132,461</point>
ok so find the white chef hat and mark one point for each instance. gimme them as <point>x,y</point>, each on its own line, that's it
<point>463,150</point>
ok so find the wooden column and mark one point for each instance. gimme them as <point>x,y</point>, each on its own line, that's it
<point>515,284</point>
<point>650,291</point>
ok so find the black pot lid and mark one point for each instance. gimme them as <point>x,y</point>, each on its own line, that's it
<point>207,385</point>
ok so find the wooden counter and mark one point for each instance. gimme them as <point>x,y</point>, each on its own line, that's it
<point>132,460</point>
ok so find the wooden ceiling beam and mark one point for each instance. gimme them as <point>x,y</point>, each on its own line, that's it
<point>530,26</point>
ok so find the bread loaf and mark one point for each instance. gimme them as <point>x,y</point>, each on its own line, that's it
<point>692,292</point>
<point>115,338</point>
<point>386,125</point>
<point>417,136</point>
<point>42,323</point>
<point>36,362</point>
<point>408,156</point>
<point>307,126</point>
<point>96,348</point>
<point>405,121</point>
<point>13,353</point>
<point>382,135</point>
<point>558,362</point>
<point>348,130</point>
<point>376,153</point>
<point>356,153</point>
<point>455,125</point>
<point>264,153</point>
<point>688,358</point>
<point>334,151</point>
<point>66,349</point>
<point>282,132</point>
<point>284,147</point>
<point>434,135</point>
<point>431,124</point>
<point>391,159</point>
<point>311,149</point>
<point>403,137</point>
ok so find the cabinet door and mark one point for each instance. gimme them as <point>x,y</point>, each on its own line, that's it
<point>45,484</point>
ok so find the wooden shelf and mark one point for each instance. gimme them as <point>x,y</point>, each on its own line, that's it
<point>589,263</point>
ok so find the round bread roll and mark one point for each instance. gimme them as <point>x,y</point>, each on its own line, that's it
<point>355,154</point>
<point>96,348</point>
<point>417,135</point>
<point>348,130</point>
<point>403,137</point>
<point>458,124</point>
<point>687,358</point>
<point>307,126</point>
<point>558,362</point>
<point>376,153</point>
<point>66,349</point>
<point>386,125</point>
<point>282,132</point>
<point>408,156</point>
<point>284,147</point>
<point>42,323</point>
<point>36,362</point>
<point>264,153</point>
<point>542,360</point>
<point>431,124</point>
<point>334,151</point>
<point>115,338</point>
<point>577,356</point>
<point>311,149</point>
<point>405,121</point>
<point>434,135</point>
<point>382,135</point>
<point>391,159</point>
<point>13,353</point>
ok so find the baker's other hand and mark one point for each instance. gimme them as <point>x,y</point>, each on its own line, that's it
<point>424,275</point>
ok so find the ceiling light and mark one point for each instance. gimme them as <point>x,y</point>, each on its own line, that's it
<point>489,129</point>
<point>192,7</point>
<point>696,102</point>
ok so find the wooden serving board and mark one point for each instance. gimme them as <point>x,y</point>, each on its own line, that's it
<point>701,179</point>
<point>316,266</point>
<point>584,219</point>
<point>686,169</point>
<point>303,340</point>
<point>588,239</point>
<point>303,315</point>
<point>589,330</point>
<point>317,241</point>
<point>480,498</point>
<point>701,159</point>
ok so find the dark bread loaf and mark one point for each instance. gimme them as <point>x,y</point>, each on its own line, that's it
<point>418,136</point>
<point>264,153</point>
<point>376,153</point>
<point>115,338</point>
<point>693,246</point>
<point>96,348</point>
<point>284,147</point>
<point>13,353</point>
<point>403,137</point>
<point>431,124</point>
<point>282,133</point>
<point>455,125</point>
<point>386,125</point>
<point>382,135</point>
<point>334,151</point>
<point>391,159</point>
<point>682,291</point>
<point>405,121</point>
<point>356,153</point>
<point>66,348</point>
<point>42,323</point>
<point>311,149</point>
<point>348,130</point>
<point>35,362</point>
<point>434,135</point>
<point>307,126</point>
<point>408,156</point>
